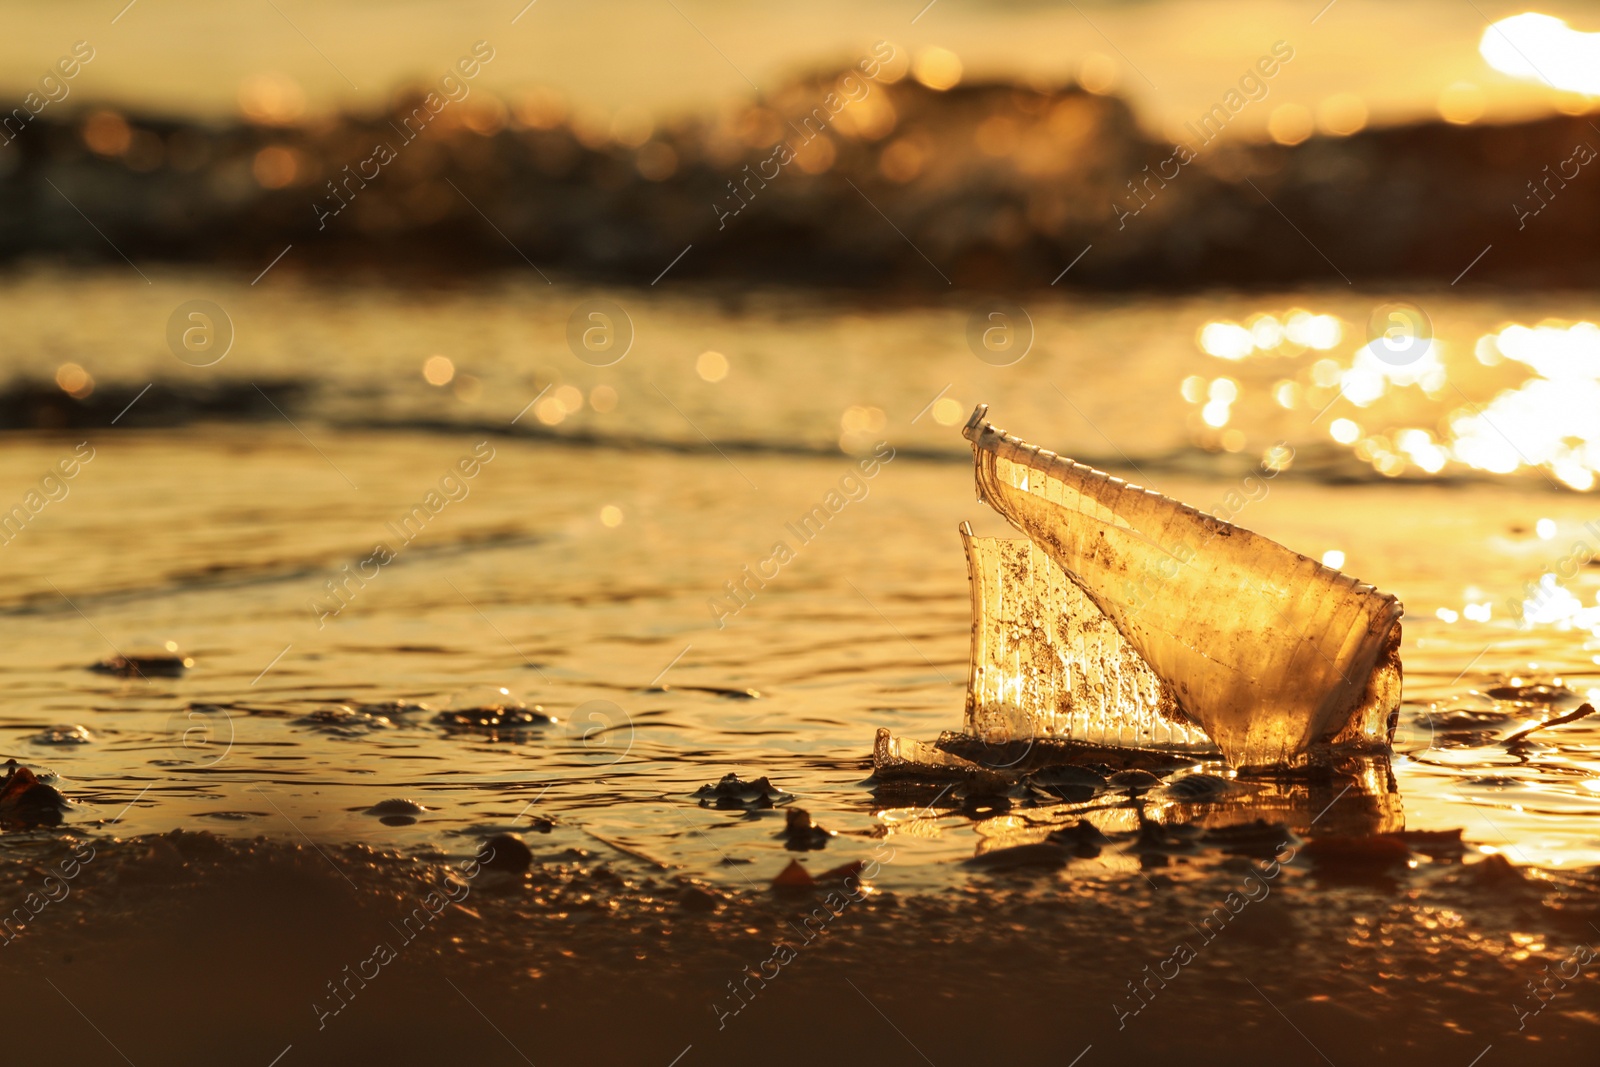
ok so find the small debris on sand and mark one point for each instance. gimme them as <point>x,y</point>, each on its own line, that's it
<point>140,665</point>
<point>396,806</point>
<point>1530,694</point>
<point>62,734</point>
<point>1583,711</point>
<point>396,812</point>
<point>342,721</point>
<point>794,879</point>
<point>698,899</point>
<point>800,834</point>
<point>393,708</point>
<point>27,801</point>
<point>505,852</point>
<point>714,690</point>
<point>494,718</point>
<point>734,792</point>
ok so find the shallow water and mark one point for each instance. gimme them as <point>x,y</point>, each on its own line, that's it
<point>221,537</point>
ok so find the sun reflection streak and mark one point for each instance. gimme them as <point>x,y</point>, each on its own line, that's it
<point>1546,423</point>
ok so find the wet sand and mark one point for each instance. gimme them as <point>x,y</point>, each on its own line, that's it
<point>188,948</point>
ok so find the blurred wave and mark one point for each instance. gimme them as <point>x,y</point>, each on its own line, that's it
<point>860,177</point>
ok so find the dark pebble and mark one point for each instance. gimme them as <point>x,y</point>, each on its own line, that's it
<point>693,898</point>
<point>800,834</point>
<point>396,806</point>
<point>734,792</point>
<point>505,852</point>
<point>144,666</point>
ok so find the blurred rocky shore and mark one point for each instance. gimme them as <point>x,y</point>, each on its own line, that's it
<point>838,180</point>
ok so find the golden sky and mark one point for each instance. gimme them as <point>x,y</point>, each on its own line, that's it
<point>1174,58</point>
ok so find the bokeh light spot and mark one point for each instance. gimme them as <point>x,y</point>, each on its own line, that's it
<point>74,380</point>
<point>712,366</point>
<point>438,370</point>
<point>938,68</point>
<point>948,412</point>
